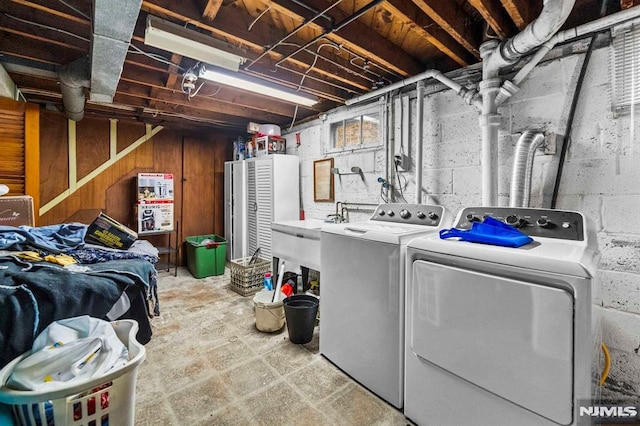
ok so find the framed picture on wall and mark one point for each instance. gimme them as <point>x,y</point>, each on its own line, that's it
<point>323,180</point>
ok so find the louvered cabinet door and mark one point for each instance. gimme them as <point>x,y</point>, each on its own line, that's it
<point>12,146</point>
<point>19,148</point>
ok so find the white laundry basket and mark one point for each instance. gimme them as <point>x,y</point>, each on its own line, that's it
<point>107,400</point>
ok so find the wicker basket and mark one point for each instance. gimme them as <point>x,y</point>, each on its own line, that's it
<point>248,279</point>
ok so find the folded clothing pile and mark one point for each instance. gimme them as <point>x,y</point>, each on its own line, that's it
<point>67,352</point>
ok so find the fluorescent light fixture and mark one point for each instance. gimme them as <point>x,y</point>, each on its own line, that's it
<point>256,85</point>
<point>168,36</point>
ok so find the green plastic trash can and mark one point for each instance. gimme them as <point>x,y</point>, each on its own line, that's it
<point>206,255</point>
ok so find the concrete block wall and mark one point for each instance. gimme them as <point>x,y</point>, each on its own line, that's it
<point>600,178</point>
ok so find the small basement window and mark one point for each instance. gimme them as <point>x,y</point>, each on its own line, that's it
<point>625,67</point>
<point>356,132</point>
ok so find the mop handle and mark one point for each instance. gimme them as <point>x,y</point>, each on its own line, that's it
<point>276,294</point>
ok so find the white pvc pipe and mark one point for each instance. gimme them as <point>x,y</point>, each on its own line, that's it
<point>419,138</point>
<point>277,293</point>
<point>456,87</point>
<point>489,125</point>
<point>554,13</point>
<point>579,31</point>
<point>494,57</point>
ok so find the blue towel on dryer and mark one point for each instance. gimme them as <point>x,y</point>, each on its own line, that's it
<point>490,231</point>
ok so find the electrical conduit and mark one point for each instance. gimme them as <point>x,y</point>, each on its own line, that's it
<point>419,138</point>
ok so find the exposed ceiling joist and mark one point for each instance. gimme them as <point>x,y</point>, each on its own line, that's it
<point>261,34</point>
<point>450,18</point>
<point>353,47</point>
<point>496,17</point>
<point>357,37</point>
<point>427,28</point>
<point>56,12</point>
<point>211,9</point>
<point>521,11</point>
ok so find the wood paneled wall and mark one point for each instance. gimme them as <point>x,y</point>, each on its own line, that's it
<point>197,158</point>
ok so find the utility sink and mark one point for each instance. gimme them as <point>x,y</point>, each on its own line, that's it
<point>297,241</point>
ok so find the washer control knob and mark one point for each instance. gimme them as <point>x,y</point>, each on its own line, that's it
<point>512,219</point>
<point>433,215</point>
<point>472,218</point>
<point>543,223</point>
<point>421,215</point>
<point>381,212</point>
<point>405,214</point>
<point>390,213</point>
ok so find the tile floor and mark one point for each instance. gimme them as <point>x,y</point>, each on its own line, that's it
<point>207,364</point>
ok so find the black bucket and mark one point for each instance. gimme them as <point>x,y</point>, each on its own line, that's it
<point>300,311</point>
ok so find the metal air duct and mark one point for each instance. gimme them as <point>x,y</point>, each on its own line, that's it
<point>74,77</point>
<point>112,27</point>
<point>113,24</point>
<point>526,147</point>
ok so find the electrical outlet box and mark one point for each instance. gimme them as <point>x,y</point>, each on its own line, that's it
<point>402,161</point>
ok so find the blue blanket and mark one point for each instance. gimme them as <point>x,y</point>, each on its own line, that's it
<point>52,238</point>
<point>33,295</point>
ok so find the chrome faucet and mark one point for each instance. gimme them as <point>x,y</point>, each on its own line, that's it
<point>335,218</point>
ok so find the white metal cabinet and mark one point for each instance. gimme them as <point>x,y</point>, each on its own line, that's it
<point>235,208</point>
<point>259,191</point>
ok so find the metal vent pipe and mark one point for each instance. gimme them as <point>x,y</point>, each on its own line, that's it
<point>522,170</point>
<point>74,77</point>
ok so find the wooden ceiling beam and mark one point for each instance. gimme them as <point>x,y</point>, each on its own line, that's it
<point>171,80</point>
<point>232,26</point>
<point>522,11</point>
<point>55,12</point>
<point>197,102</point>
<point>284,77</point>
<point>496,16</point>
<point>34,32</point>
<point>626,4</point>
<point>448,16</point>
<point>36,51</point>
<point>223,96</point>
<point>133,96</point>
<point>216,117</point>
<point>211,9</point>
<point>33,82</point>
<point>338,68</point>
<point>427,28</point>
<point>35,37</point>
<point>357,37</point>
<point>315,86</point>
<point>261,34</point>
<point>188,12</point>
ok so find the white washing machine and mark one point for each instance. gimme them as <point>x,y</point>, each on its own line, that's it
<point>362,293</point>
<point>498,335</point>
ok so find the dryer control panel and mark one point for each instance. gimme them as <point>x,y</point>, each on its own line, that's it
<point>565,225</point>
<point>415,214</point>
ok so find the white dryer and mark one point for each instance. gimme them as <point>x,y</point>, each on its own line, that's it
<point>498,335</point>
<point>362,293</point>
